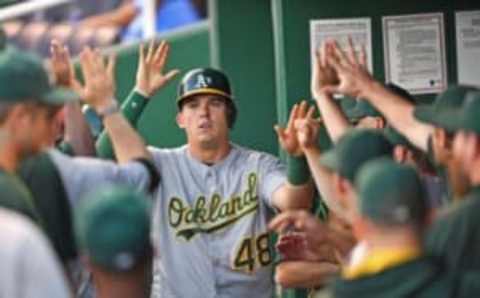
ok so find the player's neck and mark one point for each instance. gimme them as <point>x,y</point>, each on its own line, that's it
<point>121,287</point>
<point>209,155</point>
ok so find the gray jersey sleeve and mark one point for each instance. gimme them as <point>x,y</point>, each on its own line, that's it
<point>272,174</point>
<point>83,174</point>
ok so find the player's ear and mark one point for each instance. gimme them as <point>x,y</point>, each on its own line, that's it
<point>180,121</point>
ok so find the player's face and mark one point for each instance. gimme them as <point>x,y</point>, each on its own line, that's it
<point>204,118</point>
<point>36,129</point>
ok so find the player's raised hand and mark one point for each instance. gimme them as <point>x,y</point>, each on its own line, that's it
<point>307,129</point>
<point>150,70</point>
<point>310,236</point>
<point>61,65</point>
<point>351,69</point>
<point>287,136</point>
<point>323,74</point>
<point>99,88</point>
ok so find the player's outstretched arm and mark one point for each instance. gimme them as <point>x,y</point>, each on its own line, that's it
<point>99,92</point>
<point>77,132</point>
<point>354,80</point>
<point>323,74</point>
<point>297,192</point>
<point>150,78</point>
<point>304,274</point>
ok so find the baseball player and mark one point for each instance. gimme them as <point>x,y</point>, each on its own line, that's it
<point>215,199</point>
<point>113,234</point>
<point>392,212</point>
<point>38,275</point>
<point>456,235</point>
<point>24,117</point>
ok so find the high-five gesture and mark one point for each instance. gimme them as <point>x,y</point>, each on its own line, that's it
<point>150,74</point>
<point>61,65</point>
<point>351,70</point>
<point>287,137</point>
<point>323,73</point>
<point>99,88</point>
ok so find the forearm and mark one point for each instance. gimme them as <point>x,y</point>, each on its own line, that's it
<point>399,113</point>
<point>132,108</point>
<point>294,197</point>
<point>322,177</point>
<point>303,274</point>
<point>77,131</point>
<point>127,144</point>
<point>333,117</point>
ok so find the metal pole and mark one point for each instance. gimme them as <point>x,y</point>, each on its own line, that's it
<point>18,10</point>
<point>149,20</point>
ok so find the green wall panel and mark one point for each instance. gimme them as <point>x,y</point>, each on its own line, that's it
<point>243,47</point>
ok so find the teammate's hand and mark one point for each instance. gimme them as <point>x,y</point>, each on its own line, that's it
<point>310,239</point>
<point>307,132</point>
<point>99,88</point>
<point>61,65</point>
<point>287,137</point>
<point>323,73</point>
<point>150,76</point>
<point>351,70</point>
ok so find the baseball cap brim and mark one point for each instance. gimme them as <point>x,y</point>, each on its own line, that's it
<point>204,91</point>
<point>429,114</point>
<point>329,159</point>
<point>59,96</point>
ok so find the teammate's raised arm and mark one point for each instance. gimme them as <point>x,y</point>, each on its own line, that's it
<point>99,92</point>
<point>323,74</point>
<point>354,80</point>
<point>297,192</point>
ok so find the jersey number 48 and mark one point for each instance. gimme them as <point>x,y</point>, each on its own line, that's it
<point>253,252</point>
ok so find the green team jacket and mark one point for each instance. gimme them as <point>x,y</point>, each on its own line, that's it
<point>455,236</point>
<point>424,277</point>
<point>17,197</point>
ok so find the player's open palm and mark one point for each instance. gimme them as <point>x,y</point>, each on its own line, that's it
<point>350,67</point>
<point>99,87</point>
<point>323,74</point>
<point>307,131</point>
<point>150,71</point>
<point>61,65</point>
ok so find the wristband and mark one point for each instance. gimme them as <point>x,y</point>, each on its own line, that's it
<point>298,172</point>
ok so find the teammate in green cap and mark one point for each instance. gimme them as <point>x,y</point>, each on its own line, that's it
<point>391,218</point>
<point>426,127</point>
<point>25,115</point>
<point>456,234</point>
<point>112,228</point>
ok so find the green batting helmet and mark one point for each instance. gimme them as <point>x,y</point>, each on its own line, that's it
<point>207,81</point>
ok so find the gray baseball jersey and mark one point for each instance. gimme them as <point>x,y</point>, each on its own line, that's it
<point>210,224</point>
<point>29,265</point>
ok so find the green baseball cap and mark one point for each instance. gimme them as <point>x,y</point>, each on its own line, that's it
<point>24,78</point>
<point>363,108</point>
<point>391,193</point>
<point>354,149</point>
<point>442,111</point>
<point>467,118</point>
<point>112,227</point>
